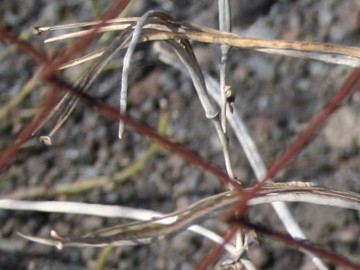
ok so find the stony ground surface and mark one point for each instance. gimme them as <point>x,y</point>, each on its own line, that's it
<point>276,95</point>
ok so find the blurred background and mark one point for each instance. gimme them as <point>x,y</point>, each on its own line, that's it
<point>276,95</point>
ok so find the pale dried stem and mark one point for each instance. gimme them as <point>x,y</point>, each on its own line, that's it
<point>143,232</point>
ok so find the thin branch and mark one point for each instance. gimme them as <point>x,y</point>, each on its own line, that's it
<point>316,123</point>
<point>304,245</point>
<point>108,211</point>
<point>330,53</point>
<point>145,232</point>
<point>126,65</point>
<point>224,26</point>
<point>83,185</point>
<point>142,129</point>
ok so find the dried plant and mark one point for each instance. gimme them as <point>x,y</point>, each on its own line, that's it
<point>216,100</point>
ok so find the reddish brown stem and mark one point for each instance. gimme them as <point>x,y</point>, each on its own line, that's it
<point>47,74</point>
<point>215,252</point>
<point>315,125</point>
<point>302,139</point>
<point>305,137</point>
<point>49,68</point>
<point>8,154</point>
<point>144,130</point>
<point>23,46</point>
<point>286,239</point>
<point>112,113</point>
<point>84,41</point>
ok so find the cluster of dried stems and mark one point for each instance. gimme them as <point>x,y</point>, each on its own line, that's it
<point>158,26</point>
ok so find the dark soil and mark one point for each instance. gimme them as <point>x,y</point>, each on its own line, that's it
<point>276,95</point>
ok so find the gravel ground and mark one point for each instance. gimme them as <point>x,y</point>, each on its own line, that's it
<point>276,95</point>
